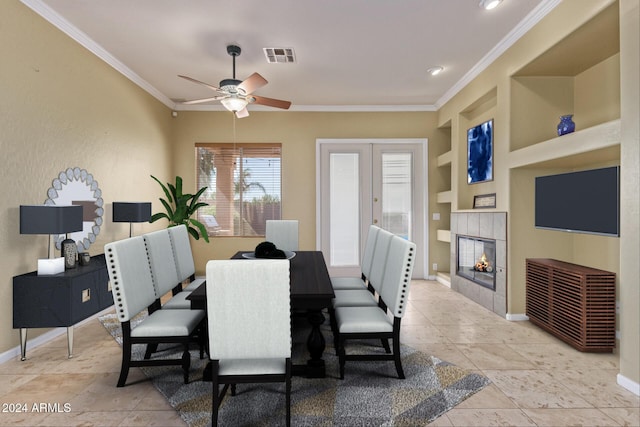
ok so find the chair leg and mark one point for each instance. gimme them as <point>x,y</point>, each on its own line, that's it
<point>396,348</point>
<point>203,335</point>
<point>334,328</point>
<point>126,354</point>
<point>151,348</point>
<point>342,356</point>
<point>124,368</point>
<point>186,362</point>
<point>288,391</point>
<point>215,403</point>
<point>385,344</point>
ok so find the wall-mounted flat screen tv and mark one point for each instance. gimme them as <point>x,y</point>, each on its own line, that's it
<point>581,202</point>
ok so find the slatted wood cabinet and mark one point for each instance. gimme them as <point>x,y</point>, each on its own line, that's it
<point>575,303</point>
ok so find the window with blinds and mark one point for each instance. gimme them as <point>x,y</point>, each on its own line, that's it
<point>244,187</point>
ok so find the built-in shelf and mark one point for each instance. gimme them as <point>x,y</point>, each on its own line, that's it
<point>444,197</point>
<point>445,159</point>
<point>596,144</point>
<point>444,235</point>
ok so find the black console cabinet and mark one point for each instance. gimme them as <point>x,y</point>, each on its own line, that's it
<point>60,300</point>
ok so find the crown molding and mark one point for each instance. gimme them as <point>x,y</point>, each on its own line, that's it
<point>81,37</point>
<point>514,35</point>
<point>317,108</point>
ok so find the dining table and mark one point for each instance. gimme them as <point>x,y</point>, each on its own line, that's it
<point>311,292</point>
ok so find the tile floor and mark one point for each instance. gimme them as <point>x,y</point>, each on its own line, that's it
<point>536,379</point>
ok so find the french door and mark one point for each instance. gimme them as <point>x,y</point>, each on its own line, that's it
<point>363,182</point>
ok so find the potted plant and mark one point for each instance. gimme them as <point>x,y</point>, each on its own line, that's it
<point>180,207</point>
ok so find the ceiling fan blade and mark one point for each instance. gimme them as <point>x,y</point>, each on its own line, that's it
<point>242,113</point>
<point>271,102</point>
<point>199,101</point>
<point>217,89</point>
<point>251,83</point>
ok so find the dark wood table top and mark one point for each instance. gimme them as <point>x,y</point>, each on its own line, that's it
<point>311,287</point>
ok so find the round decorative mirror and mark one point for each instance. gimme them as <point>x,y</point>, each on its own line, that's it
<point>76,186</point>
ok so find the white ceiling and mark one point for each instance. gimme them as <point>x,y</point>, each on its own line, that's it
<point>352,55</point>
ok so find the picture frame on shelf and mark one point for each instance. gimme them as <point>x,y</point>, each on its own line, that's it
<point>480,153</point>
<point>484,201</point>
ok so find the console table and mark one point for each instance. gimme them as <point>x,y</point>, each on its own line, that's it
<point>575,303</point>
<point>60,300</point>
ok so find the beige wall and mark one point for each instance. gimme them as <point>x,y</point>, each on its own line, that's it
<point>630,178</point>
<point>297,131</point>
<point>523,103</point>
<point>61,107</point>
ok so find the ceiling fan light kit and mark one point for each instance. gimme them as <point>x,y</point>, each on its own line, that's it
<point>234,104</point>
<point>235,94</point>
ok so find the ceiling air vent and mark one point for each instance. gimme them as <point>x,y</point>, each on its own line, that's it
<point>278,55</point>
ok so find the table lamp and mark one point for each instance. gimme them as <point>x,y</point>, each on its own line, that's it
<point>50,219</point>
<point>131,212</point>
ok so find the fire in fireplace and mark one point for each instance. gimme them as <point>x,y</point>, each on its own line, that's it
<point>476,260</point>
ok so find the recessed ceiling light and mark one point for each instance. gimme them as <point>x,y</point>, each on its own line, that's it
<point>489,4</point>
<point>434,71</point>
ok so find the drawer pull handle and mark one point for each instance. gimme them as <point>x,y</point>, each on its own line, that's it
<point>86,295</point>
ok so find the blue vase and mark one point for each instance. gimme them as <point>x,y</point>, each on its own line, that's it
<point>566,125</point>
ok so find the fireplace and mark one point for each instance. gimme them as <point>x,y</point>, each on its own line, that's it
<point>487,232</point>
<point>476,260</point>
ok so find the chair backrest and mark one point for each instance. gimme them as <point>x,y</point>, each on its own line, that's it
<point>182,251</point>
<point>397,275</point>
<point>379,261</point>
<point>162,262</point>
<point>369,247</point>
<point>248,305</point>
<point>130,276</point>
<point>282,233</point>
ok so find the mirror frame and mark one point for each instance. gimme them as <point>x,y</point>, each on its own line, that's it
<point>78,178</point>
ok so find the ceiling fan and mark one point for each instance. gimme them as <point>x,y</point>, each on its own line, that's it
<point>234,94</point>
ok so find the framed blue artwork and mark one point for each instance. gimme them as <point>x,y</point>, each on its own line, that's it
<point>480,153</point>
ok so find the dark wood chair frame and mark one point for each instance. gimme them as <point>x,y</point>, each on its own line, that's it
<point>199,335</point>
<point>334,324</point>
<point>152,343</point>
<point>394,335</point>
<point>232,380</point>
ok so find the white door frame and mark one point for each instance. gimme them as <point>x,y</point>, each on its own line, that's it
<point>420,268</point>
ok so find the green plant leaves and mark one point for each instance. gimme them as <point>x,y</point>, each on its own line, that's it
<point>180,207</point>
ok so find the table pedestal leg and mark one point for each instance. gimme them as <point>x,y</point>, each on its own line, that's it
<point>315,345</point>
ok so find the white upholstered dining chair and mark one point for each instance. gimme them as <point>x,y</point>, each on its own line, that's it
<point>248,305</point>
<point>133,292</point>
<point>163,269</point>
<point>183,256</point>
<point>283,233</point>
<point>383,321</point>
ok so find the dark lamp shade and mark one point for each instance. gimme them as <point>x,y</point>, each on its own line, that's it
<point>131,211</point>
<point>50,219</point>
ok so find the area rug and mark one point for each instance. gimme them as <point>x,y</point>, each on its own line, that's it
<point>370,395</point>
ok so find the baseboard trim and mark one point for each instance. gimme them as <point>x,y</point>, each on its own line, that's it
<point>630,385</point>
<point>46,337</point>
<point>443,281</point>
<point>517,317</point>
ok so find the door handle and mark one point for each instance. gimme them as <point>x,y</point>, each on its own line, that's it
<point>375,221</point>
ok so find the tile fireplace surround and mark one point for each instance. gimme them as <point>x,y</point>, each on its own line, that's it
<point>487,225</point>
